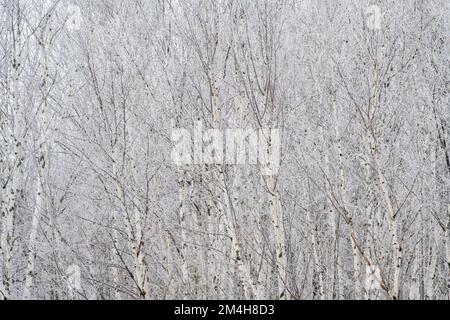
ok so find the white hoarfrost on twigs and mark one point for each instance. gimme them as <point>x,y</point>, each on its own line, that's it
<point>228,149</point>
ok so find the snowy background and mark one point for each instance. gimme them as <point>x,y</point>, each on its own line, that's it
<point>93,206</point>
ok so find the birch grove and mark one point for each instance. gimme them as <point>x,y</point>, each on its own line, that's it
<point>232,149</point>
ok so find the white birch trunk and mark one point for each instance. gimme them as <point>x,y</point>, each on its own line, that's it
<point>183,215</point>
<point>43,138</point>
<point>342,181</point>
<point>15,163</point>
<point>32,244</point>
<point>393,216</point>
<point>112,220</point>
<point>314,246</point>
<point>447,249</point>
<point>277,220</point>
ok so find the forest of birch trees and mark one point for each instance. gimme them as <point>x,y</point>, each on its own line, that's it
<point>93,205</point>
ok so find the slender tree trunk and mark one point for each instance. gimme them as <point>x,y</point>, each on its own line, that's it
<point>447,249</point>
<point>277,219</point>
<point>30,273</point>
<point>393,215</point>
<point>183,216</point>
<point>43,138</point>
<point>15,164</point>
<point>115,253</point>
<point>317,273</point>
